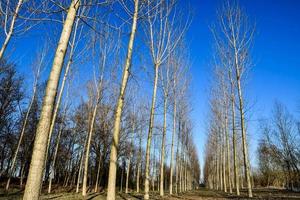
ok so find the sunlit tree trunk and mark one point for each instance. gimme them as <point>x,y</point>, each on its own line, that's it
<point>149,139</point>
<point>79,172</point>
<point>11,28</point>
<point>172,145</point>
<point>88,146</point>
<point>127,176</point>
<point>22,175</point>
<point>217,170</point>
<point>130,155</point>
<point>139,165</point>
<point>98,174</point>
<point>111,189</point>
<point>180,164</point>
<point>224,159</point>
<point>237,59</point>
<point>60,94</point>
<point>228,151</point>
<point>99,90</point>
<point>34,179</point>
<point>177,157</point>
<point>63,82</point>
<point>244,142</point>
<point>162,158</point>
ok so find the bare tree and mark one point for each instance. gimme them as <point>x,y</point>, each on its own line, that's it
<point>36,73</point>
<point>9,22</point>
<point>111,190</point>
<point>165,83</point>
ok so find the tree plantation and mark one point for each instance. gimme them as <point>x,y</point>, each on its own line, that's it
<point>102,99</point>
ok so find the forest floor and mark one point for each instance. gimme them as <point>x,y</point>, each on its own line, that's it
<point>201,194</point>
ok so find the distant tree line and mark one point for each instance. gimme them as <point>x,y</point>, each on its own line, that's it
<point>279,151</point>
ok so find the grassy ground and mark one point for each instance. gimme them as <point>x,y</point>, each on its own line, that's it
<point>201,194</point>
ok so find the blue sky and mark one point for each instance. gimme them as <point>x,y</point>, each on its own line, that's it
<point>276,57</point>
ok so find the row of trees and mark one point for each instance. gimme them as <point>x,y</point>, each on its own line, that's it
<point>95,140</point>
<point>227,164</point>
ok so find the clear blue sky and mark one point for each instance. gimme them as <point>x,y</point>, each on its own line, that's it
<point>276,56</point>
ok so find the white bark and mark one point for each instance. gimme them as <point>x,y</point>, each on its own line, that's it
<point>11,28</point>
<point>34,180</point>
<point>111,189</point>
<point>149,139</point>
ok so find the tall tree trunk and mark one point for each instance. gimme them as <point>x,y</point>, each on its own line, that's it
<point>127,176</point>
<point>111,189</point>
<point>35,176</point>
<point>149,139</point>
<point>217,170</point>
<point>129,159</point>
<point>98,174</point>
<point>235,164</point>
<point>162,158</point>
<point>60,94</point>
<point>180,167</point>
<point>177,157</point>
<point>228,151</point>
<point>122,176</point>
<point>79,172</point>
<point>88,144</point>
<point>242,117</point>
<point>22,175</point>
<point>139,165</point>
<point>244,141</point>
<point>172,146</point>
<point>11,28</point>
<point>99,89</point>
<point>224,160</point>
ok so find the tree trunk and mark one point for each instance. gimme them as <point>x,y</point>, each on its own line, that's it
<point>244,141</point>
<point>139,165</point>
<point>236,176</point>
<point>127,176</point>
<point>149,139</point>
<point>34,180</point>
<point>162,159</point>
<point>111,189</point>
<point>228,151</point>
<point>87,151</point>
<point>224,160</point>
<point>52,170</point>
<point>177,158</point>
<point>79,172</point>
<point>98,174</point>
<point>172,147</point>
<point>129,159</point>
<point>60,94</point>
<point>11,28</point>
<point>22,175</point>
<point>242,119</point>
